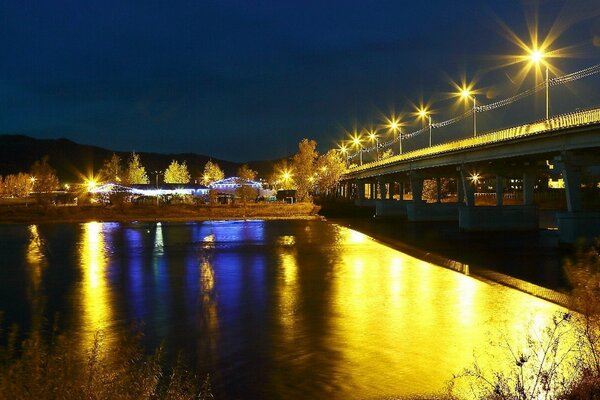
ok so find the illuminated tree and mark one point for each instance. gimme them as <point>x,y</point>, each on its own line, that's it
<point>112,171</point>
<point>212,173</point>
<point>330,167</point>
<point>44,180</point>
<point>245,192</point>
<point>136,173</point>
<point>430,189</point>
<point>177,173</point>
<point>303,164</point>
<point>19,185</point>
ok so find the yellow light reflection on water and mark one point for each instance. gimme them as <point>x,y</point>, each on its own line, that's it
<point>95,298</point>
<point>36,259</point>
<point>404,326</point>
<point>36,263</point>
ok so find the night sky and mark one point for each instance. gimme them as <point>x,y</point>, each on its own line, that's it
<point>244,80</point>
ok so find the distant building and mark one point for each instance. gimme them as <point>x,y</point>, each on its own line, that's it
<point>151,190</point>
<point>229,185</point>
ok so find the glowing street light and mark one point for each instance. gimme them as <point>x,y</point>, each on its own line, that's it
<point>467,94</point>
<point>424,113</point>
<point>537,57</point>
<point>394,126</point>
<point>91,185</point>
<point>357,142</point>
<point>374,138</point>
<point>344,150</point>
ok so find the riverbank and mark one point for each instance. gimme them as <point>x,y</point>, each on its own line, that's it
<point>151,213</point>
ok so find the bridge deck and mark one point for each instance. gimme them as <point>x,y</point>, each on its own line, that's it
<point>571,120</point>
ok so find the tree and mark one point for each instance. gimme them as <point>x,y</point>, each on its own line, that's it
<point>136,173</point>
<point>430,189</point>
<point>177,173</point>
<point>44,180</point>
<point>19,185</point>
<point>303,164</point>
<point>245,192</point>
<point>330,167</point>
<point>212,173</point>
<point>112,171</point>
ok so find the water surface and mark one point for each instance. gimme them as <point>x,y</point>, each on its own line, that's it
<point>271,309</point>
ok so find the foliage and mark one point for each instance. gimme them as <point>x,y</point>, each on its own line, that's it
<point>430,189</point>
<point>303,165</point>
<point>584,276</point>
<point>41,370</point>
<point>245,192</point>
<point>562,363</point>
<point>330,167</point>
<point>112,171</point>
<point>543,369</point>
<point>177,173</point>
<point>45,179</point>
<point>212,173</point>
<point>18,185</point>
<point>136,173</point>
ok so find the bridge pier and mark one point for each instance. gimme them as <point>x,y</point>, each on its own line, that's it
<point>576,224</point>
<point>500,217</point>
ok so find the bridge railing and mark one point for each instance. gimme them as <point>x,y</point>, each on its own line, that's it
<point>570,120</point>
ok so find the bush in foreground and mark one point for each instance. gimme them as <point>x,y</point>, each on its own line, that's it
<point>37,369</point>
<point>563,362</point>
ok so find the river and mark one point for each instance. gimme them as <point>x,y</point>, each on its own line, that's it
<point>270,309</point>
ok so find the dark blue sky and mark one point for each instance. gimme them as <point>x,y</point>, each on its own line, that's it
<point>244,80</point>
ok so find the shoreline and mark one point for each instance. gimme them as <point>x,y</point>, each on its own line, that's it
<point>163,213</point>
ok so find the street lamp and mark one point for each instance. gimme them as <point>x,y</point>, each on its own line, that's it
<point>374,138</point>
<point>537,56</point>
<point>344,150</point>
<point>467,94</point>
<point>393,125</point>
<point>356,141</point>
<point>423,113</point>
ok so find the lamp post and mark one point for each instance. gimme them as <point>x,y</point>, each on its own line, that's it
<point>466,94</point>
<point>344,150</point>
<point>537,57</point>
<point>423,113</point>
<point>394,126</point>
<point>357,143</point>
<point>374,138</point>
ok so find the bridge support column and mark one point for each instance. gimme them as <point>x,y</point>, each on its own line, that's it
<point>460,192</point>
<point>383,188</point>
<point>468,190</point>
<point>528,186</point>
<point>499,190</point>
<point>360,190</point>
<point>438,190</point>
<point>576,224</point>
<point>416,187</point>
<point>572,178</point>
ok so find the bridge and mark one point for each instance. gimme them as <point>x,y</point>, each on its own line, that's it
<point>525,156</point>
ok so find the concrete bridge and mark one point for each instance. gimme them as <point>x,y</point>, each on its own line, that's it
<point>525,156</point>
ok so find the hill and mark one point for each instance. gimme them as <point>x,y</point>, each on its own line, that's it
<point>73,161</point>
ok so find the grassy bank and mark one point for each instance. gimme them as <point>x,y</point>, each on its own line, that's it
<point>180,212</point>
